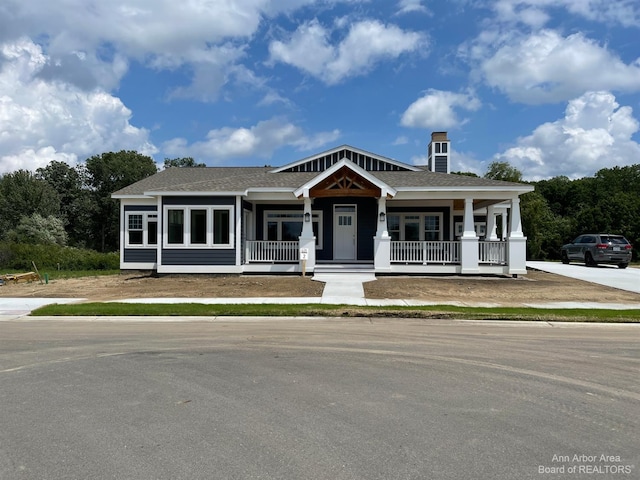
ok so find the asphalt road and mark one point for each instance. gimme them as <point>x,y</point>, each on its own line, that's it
<point>318,399</point>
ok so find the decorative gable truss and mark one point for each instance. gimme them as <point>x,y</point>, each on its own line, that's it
<point>345,183</point>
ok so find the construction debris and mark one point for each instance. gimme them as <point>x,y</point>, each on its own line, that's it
<point>20,277</point>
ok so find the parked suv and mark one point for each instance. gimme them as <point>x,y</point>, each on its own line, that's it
<point>595,248</point>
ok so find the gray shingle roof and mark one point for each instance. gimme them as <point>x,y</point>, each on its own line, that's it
<point>241,179</point>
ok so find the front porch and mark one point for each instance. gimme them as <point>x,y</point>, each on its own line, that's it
<point>411,257</point>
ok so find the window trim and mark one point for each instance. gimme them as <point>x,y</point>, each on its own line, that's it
<point>422,215</point>
<point>186,227</point>
<point>316,215</point>
<point>146,216</point>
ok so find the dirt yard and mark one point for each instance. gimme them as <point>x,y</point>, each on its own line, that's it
<point>531,288</point>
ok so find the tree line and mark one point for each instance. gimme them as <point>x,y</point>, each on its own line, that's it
<point>64,205</point>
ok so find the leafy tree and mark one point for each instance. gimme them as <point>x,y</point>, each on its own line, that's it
<point>503,171</point>
<point>39,230</point>
<point>22,195</point>
<point>104,174</point>
<point>182,162</point>
<point>76,206</point>
<point>466,174</point>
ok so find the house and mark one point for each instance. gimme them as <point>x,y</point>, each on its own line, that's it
<point>341,207</point>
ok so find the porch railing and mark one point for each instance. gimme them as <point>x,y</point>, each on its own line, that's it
<point>425,252</point>
<point>268,251</point>
<point>493,252</point>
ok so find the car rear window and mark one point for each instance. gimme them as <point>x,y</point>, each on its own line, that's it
<point>615,240</point>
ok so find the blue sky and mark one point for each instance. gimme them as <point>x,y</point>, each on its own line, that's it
<point>551,86</point>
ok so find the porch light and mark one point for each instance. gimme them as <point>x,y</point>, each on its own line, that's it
<point>307,217</point>
<point>383,216</point>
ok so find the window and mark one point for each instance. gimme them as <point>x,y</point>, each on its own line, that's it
<point>135,229</point>
<point>175,221</point>
<point>198,227</point>
<point>287,226</point>
<point>444,148</point>
<point>414,226</point>
<point>437,148</point>
<point>141,229</point>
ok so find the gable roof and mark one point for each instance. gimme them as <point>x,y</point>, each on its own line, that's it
<point>394,177</point>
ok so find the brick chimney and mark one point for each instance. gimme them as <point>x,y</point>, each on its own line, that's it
<point>439,153</point>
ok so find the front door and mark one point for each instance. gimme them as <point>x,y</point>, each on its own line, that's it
<point>344,232</point>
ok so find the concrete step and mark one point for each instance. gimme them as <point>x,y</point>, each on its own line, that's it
<point>334,268</point>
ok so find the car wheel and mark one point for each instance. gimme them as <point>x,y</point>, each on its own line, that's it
<point>622,265</point>
<point>588,260</point>
<point>565,258</point>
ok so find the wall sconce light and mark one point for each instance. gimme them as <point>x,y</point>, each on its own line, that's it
<point>383,216</point>
<point>307,217</point>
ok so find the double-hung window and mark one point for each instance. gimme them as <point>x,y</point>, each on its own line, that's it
<point>198,227</point>
<point>141,229</point>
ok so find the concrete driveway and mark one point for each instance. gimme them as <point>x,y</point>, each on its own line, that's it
<point>607,275</point>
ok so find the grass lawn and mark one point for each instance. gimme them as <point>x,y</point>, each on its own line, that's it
<point>310,310</point>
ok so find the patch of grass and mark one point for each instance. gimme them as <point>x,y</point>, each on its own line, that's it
<point>310,310</point>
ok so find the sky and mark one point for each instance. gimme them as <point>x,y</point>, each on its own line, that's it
<point>550,86</point>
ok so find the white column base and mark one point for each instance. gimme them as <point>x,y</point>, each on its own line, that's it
<point>310,244</point>
<point>382,253</point>
<point>517,255</point>
<point>469,252</point>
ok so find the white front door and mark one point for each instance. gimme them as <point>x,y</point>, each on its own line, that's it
<point>344,233</point>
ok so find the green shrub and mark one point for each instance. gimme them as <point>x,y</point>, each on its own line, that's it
<point>18,256</point>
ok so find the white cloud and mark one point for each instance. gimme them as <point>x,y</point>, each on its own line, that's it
<point>259,141</point>
<point>595,133</point>
<point>437,110</point>
<point>532,12</point>
<point>547,67</point>
<point>43,120</point>
<point>366,44</point>
<point>412,6</point>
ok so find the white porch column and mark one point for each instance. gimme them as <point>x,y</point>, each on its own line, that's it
<point>492,230</point>
<point>504,225</point>
<point>307,239</point>
<point>382,240</point>
<point>517,242</point>
<point>469,249</point>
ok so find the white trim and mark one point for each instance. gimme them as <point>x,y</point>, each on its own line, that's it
<point>209,243</point>
<point>200,269</point>
<point>145,229</point>
<point>138,266</point>
<point>238,233</point>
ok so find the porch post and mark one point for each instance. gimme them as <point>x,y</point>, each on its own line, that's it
<point>517,242</point>
<point>492,230</point>
<point>307,239</point>
<point>504,224</point>
<point>469,248</point>
<point>382,240</point>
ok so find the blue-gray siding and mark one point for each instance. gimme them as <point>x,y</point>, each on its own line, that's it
<point>198,256</point>
<point>140,255</point>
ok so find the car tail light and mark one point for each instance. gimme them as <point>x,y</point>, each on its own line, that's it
<point>602,246</point>
<point>628,247</point>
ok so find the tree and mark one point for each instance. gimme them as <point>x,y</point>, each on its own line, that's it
<point>503,171</point>
<point>76,206</point>
<point>182,162</point>
<point>104,174</point>
<point>22,195</point>
<point>39,230</point>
